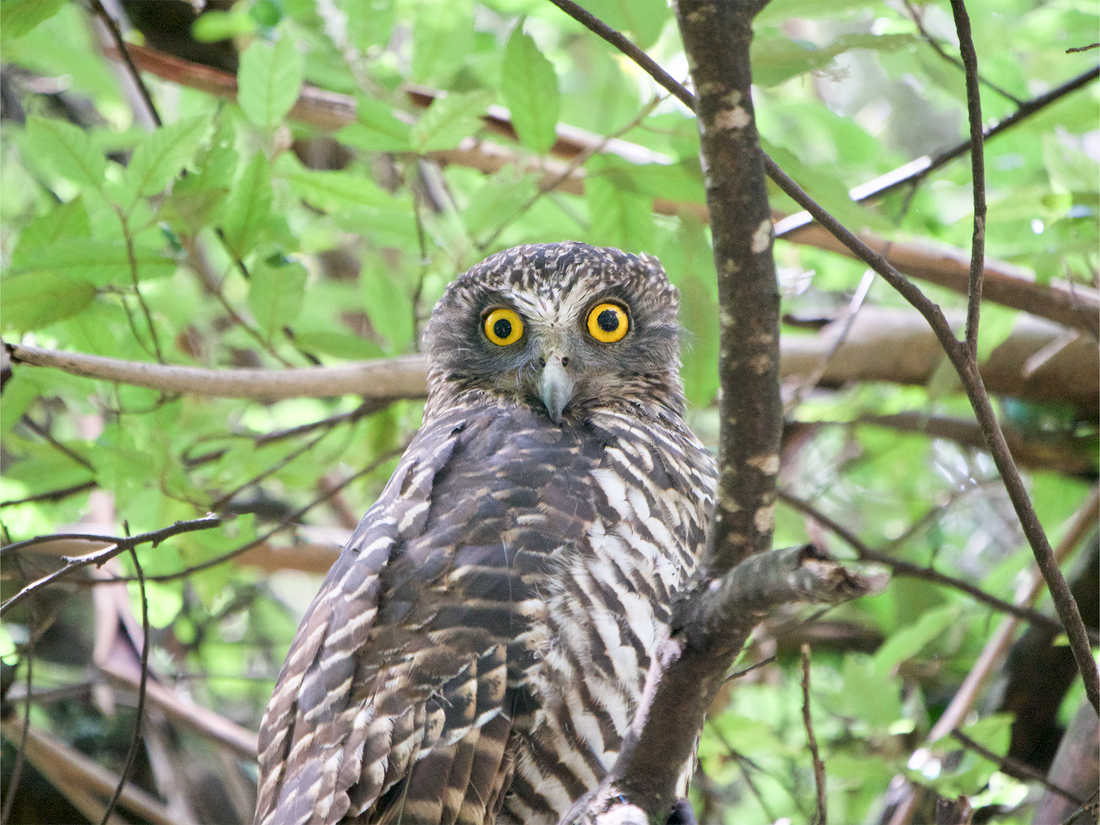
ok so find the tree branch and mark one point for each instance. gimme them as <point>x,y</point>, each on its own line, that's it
<point>115,547</point>
<point>977,172</point>
<point>716,37</point>
<point>714,621</point>
<point>400,377</point>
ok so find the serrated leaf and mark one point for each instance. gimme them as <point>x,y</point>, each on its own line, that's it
<point>338,344</point>
<point>388,305</point>
<point>99,262</point>
<point>19,17</point>
<point>275,293</point>
<point>529,86</point>
<point>248,207</point>
<point>619,217</point>
<point>442,41</point>
<point>498,201</point>
<point>35,300</point>
<point>268,80</point>
<point>67,220</point>
<point>332,191</point>
<point>776,57</point>
<point>160,158</point>
<point>376,129</point>
<point>909,641</point>
<point>449,120</point>
<point>65,149</point>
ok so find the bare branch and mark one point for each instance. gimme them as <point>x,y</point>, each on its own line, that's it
<point>716,37</point>
<point>115,546</point>
<point>124,51</point>
<point>710,626</point>
<point>391,378</point>
<point>883,345</point>
<point>1014,766</point>
<point>811,741</point>
<point>135,738</point>
<point>900,567</point>
<point>977,172</point>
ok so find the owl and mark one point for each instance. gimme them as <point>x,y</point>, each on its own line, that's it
<point>479,649</point>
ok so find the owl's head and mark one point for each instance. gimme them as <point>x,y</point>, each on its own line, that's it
<point>564,327</point>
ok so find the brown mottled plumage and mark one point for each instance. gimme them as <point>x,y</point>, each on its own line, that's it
<point>477,652</point>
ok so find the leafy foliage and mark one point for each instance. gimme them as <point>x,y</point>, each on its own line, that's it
<point>232,236</point>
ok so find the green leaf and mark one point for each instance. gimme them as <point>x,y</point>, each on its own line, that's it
<point>332,190</point>
<point>909,641</point>
<point>388,305</point>
<point>442,40</point>
<point>620,217</point>
<point>213,26</point>
<point>338,344</point>
<point>19,17</point>
<point>776,57</point>
<point>67,221</point>
<point>529,87</point>
<point>644,19</point>
<point>276,287</point>
<point>376,129</point>
<point>868,696</point>
<point>99,262</point>
<point>65,149</point>
<point>995,326</point>
<point>449,120</point>
<point>269,79</point>
<point>37,300</point>
<point>248,207</point>
<point>160,158</point>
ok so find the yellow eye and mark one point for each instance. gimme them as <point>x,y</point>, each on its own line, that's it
<point>608,323</point>
<point>503,327</point>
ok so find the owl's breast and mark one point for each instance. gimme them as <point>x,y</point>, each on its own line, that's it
<point>607,605</point>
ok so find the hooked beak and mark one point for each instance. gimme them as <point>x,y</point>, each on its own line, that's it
<point>555,387</point>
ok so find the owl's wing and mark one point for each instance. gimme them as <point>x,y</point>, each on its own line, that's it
<point>415,725</point>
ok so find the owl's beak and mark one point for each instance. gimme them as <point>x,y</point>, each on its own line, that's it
<point>555,387</point>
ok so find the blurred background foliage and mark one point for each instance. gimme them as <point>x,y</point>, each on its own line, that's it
<point>254,235</point>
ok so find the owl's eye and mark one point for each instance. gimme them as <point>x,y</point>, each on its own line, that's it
<point>503,326</point>
<point>608,323</point>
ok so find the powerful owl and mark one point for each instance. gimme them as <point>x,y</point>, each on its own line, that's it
<point>478,651</point>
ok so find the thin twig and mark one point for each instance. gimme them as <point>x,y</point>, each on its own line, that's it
<point>905,568</point>
<point>651,67</point>
<point>845,321</point>
<point>965,365</point>
<point>120,44</point>
<point>1010,765</point>
<point>977,172</point>
<point>20,753</point>
<point>50,495</point>
<point>284,523</point>
<point>278,465</point>
<point>915,15</point>
<point>47,436</point>
<point>137,289</point>
<point>116,546</point>
<point>135,740</point>
<point>811,740</point>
